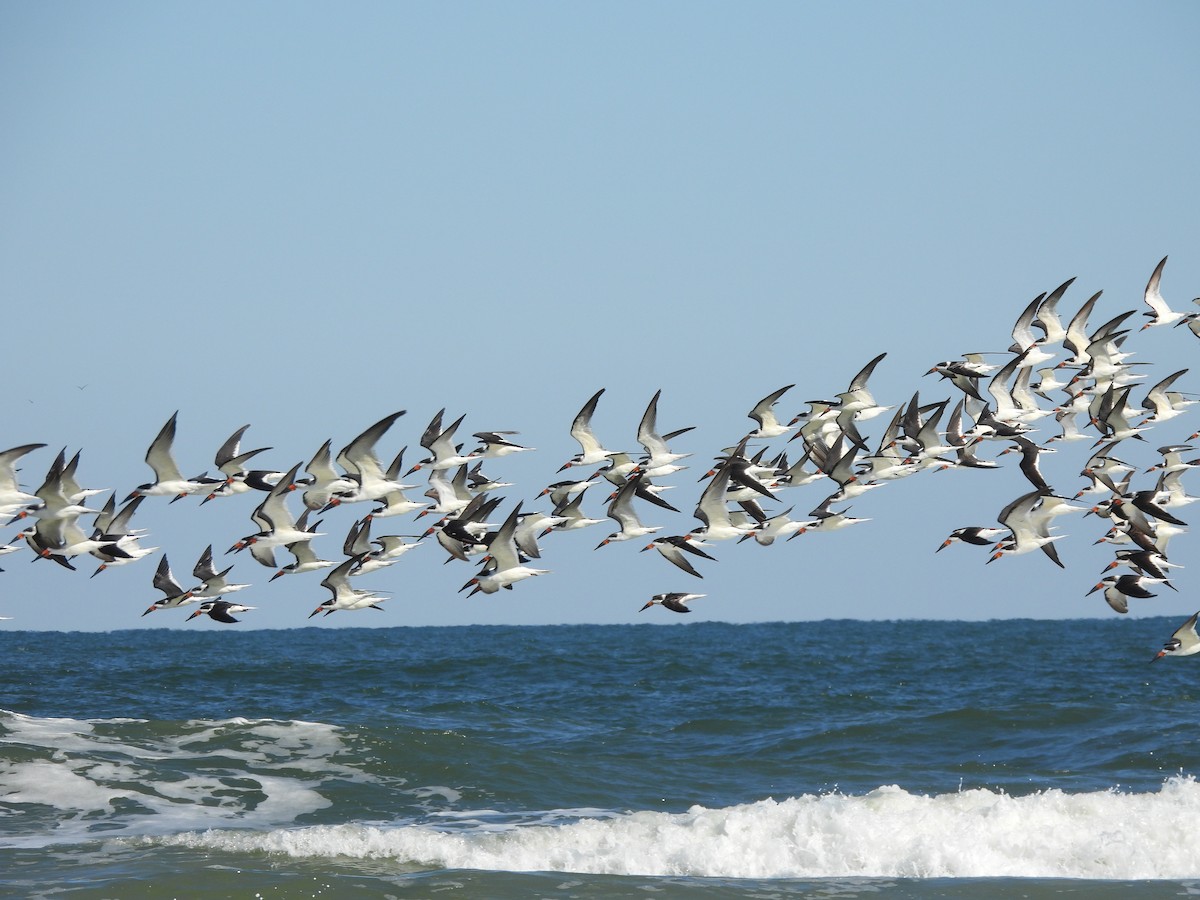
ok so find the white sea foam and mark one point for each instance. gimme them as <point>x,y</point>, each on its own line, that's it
<point>886,833</point>
<point>237,773</point>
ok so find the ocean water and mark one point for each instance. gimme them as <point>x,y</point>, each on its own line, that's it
<point>831,759</point>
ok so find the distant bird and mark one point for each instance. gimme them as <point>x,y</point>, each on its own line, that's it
<point>1184,642</point>
<point>676,602</point>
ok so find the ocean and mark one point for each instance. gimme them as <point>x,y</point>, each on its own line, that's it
<point>829,759</point>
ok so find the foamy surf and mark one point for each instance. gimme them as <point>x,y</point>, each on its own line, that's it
<point>888,832</point>
<point>78,777</point>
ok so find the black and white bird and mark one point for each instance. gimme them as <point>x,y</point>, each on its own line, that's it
<point>220,611</point>
<point>676,602</point>
<point>1184,642</point>
<point>168,480</point>
<point>673,547</point>
<point>592,452</point>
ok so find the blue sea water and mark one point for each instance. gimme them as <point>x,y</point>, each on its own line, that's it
<point>825,759</point>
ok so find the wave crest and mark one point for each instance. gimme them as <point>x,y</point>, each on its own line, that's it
<point>885,833</point>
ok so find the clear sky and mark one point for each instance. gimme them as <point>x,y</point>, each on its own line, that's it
<point>307,216</point>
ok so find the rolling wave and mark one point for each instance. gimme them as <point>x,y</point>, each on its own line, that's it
<point>886,833</point>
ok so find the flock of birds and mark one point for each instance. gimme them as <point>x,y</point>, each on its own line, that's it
<point>1076,374</point>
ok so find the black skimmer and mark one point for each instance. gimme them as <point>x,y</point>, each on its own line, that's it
<point>979,535</point>
<point>856,402</point>
<point>362,466</point>
<point>1160,313</point>
<point>1047,318</point>
<point>573,516</point>
<point>719,524</point>
<point>1026,344</point>
<point>345,596</point>
<point>278,527</point>
<point>1184,642</point>
<point>764,414</point>
<point>1031,462</point>
<point>220,610</point>
<point>1144,561</point>
<point>1077,337</point>
<point>504,567</point>
<point>1119,588</point>
<point>780,525</point>
<point>231,462</point>
<point>449,495</point>
<point>114,525</point>
<point>529,526</point>
<point>396,502</point>
<point>446,453</point>
<point>324,482</point>
<point>622,512</point>
<point>174,594</point>
<point>213,583</point>
<point>379,552</point>
<point>659,458</point>
<point>676,602</point>
<point>12,498</point>
<point>672,548</point>
<point>828,520</point>
<point>1164,403</point>
<point>1029,525</point>
<point>592,451</point>
<point>168,480</point>
<point>306,559</point>
<point>616,474</point>
<point>495,444</point>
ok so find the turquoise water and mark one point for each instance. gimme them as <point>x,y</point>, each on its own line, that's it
<point>811,759</point>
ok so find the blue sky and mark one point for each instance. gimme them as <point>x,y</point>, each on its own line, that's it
<point>305,218</point>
